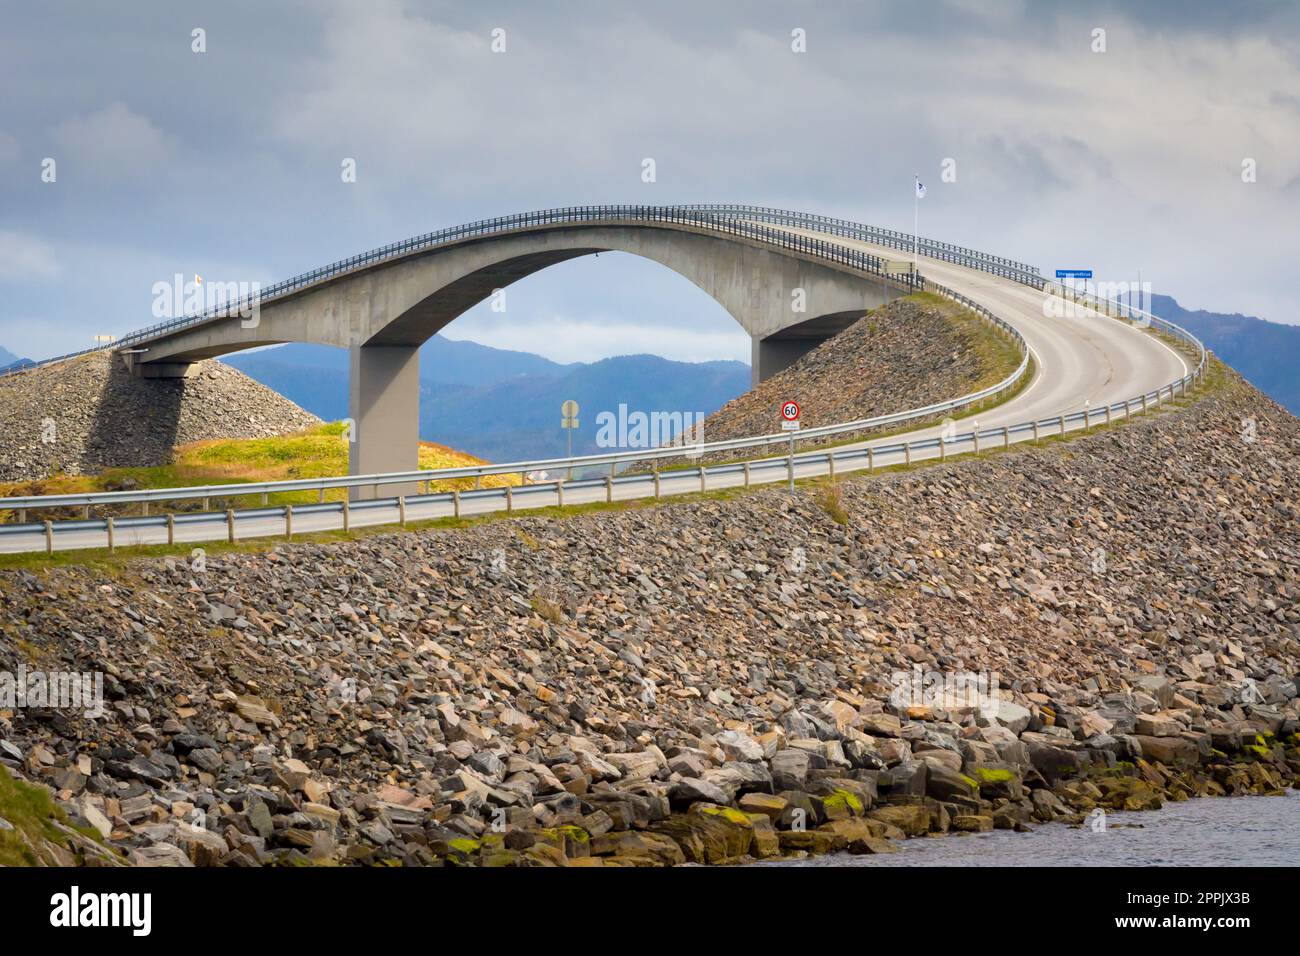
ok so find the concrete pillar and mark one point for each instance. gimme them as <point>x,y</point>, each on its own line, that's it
<point>384,403</point>
<point>133,361</point>
<point>164,370</point>
<point>767,356</point>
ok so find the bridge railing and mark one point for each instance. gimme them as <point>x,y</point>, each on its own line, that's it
<point>729,219</point>
<point>699,217</point>
<point>891,238</point>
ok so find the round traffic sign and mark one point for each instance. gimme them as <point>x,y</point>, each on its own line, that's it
<point>790,411</point>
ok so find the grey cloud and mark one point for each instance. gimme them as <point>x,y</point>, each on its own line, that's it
<point>233,156</point>
<point>113,143</point>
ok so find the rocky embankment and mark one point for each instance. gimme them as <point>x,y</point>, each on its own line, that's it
<point>707,681</point>
<point>905,354</point>
<point>87,414</point>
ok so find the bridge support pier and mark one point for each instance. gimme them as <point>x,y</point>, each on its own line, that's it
<point>771,355</point>
<point>772,352</point>
<point>157,369</point>
<point>384,404</point>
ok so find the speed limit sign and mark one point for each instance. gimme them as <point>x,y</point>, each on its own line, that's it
<point>790,424</point>
<point>790,416</point>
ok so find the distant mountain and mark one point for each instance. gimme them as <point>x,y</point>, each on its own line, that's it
<point>519,419</point>
<point>316,376</point>
<point>1266,353</point>
<point>313,376</point>
<point>8,358</point>
<point>503,405</point>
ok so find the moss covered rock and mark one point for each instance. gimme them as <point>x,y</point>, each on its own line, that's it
<point>654,848</point>
<point>912,819</point>
<point>709,834</point>
<point>841,804</point>
<point>997,780</point>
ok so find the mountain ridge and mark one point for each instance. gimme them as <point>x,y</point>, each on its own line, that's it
<point>500,404</point>
<point>503,404</point>
<point>1264,352</point>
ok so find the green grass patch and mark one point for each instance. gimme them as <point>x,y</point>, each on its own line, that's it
<point>828,497</point>
<point>547,609</point>
<point>319,452</point>
<point>31,812</point>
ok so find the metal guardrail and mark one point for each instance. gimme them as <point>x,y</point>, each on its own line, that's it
<point>892,238</point>
<point>791,461</point>
<point>228,491</point>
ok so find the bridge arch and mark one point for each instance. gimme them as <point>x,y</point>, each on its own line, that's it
<point>786,299</point>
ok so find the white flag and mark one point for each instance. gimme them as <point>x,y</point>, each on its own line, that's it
<point>920,189</point>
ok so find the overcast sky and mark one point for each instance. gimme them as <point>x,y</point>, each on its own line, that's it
<point>227,163</point>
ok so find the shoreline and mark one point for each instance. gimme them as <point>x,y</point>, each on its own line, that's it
<point>785,807</point>
<point>1001,850</point>
<point>757,828</point>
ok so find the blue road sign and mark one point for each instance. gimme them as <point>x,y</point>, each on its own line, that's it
<point>1074,273</point>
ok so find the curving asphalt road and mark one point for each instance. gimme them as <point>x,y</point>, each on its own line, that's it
<point>1081,360</point>
<point>1085,358</point>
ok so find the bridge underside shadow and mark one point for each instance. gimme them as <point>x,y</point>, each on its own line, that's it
<point>779,351</point>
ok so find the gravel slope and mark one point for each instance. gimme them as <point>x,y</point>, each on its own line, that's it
<point>87,414</point>
<point>902,355</point>
<point>673,683</point>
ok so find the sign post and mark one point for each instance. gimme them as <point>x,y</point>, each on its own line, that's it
<point>790,423</point>
<point>569,422</point>
<point>1073,274</point>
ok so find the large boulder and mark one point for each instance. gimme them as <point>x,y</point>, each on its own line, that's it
<point>1160,724</point>
<point>951,786</point>
<point>913,819</point>
<point>770,805</point>
<point>657,848</point>
<point>1170,751</point>
<point>737,778</point>
<point>907,779</point>
<point>635,766</point>
<point>997,780</point>
<point>1052,757</point>
<point>709,834</point>
<point>790,769</point>
<point>738,745</point>
<point>688,791</point>
<point>1010,715</point>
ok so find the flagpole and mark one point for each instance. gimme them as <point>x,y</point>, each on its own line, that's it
<point>916,219</point>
